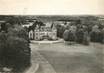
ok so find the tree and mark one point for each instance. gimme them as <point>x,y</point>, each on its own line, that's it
<point>14,48</point>
<point>19,31</point>
<point>95,33</point>
<point>72,36</point>
<point>3,38</point>
<point>89,21</point>
<point>3,27</point>
<point>60,30</point>
<point>15,20</point>
<point>39,23</point>
<point>17,53</point>
<point>66,35</point>
<point>86,38</point>
<point>80,35</point>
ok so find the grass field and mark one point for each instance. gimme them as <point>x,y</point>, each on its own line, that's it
<point>73,58</point>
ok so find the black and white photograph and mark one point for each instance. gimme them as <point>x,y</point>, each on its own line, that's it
<point>51,36</point>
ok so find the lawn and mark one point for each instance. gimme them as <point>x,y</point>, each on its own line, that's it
<point>81,59</point>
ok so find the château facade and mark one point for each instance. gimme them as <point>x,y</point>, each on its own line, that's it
<point>44,32</point>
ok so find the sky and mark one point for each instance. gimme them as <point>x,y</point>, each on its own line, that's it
<point>51,7</point>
